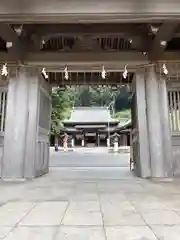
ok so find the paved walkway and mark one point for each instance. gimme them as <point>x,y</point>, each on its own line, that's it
<point>90,203</point>
<point>88,157</point>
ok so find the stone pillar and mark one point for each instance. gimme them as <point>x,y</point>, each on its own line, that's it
<point>21,131</point>
<point>144,158</point>
<point>154,123</point>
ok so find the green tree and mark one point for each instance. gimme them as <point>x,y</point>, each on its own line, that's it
<point>61,107</point>
<point>93,96</point>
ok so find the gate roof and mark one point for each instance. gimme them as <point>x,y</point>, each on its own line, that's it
<point>95,115</point>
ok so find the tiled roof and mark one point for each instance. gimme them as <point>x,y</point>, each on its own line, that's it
<point>90,115</point>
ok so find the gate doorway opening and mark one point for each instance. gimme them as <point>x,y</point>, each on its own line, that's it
<point>98,117</point>
<point>150,135</point>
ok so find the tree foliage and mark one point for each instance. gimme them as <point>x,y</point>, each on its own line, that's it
<point>122,99</point>
<point>61,107</point>
<point>93,96</point>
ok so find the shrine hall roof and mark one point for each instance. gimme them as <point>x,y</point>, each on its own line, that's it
<point>90,115</point>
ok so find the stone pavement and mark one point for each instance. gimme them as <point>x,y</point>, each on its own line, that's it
<point>90,203</point>
<point>88,157</point>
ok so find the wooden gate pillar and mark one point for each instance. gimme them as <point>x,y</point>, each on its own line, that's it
<point>26,151</point>
<point>139,132</point>
<point>158,124</point>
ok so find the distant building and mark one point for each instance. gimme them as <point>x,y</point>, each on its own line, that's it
<point>92,126</point>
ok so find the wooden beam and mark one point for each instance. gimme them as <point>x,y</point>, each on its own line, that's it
<point>88,18</point>
<point>56,59</point>
<point>9,35</point>
<point>137,33</point>
<point>101,30</point>
<point>88,11</point>
<point>165,34</point>
<point>20,46</point>
<point>89,42</point>
<point>10,58</point>
<point>173,57</point>
<point>87,61</point>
